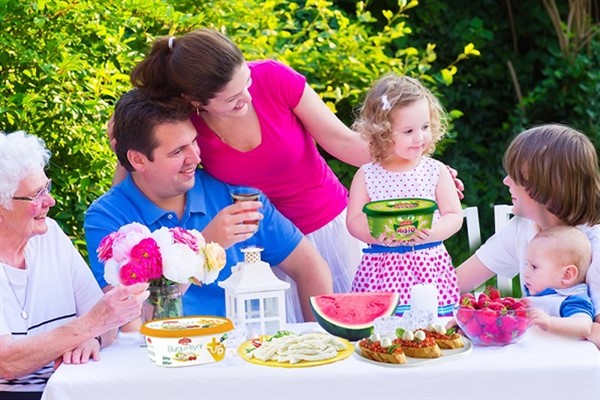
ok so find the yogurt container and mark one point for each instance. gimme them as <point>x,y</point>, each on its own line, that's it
<point>399,218</point>
<point>179,342</point>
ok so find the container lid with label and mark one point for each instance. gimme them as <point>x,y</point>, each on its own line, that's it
<point>187,326</point>
<point>400,206</point>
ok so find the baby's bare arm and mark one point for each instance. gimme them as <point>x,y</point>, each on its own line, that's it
<point>578,325</point>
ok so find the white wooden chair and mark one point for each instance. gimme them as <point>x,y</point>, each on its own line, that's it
<point>471,215</point>
<point>502,213</point>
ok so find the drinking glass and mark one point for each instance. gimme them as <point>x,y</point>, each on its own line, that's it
<point>239,194</point>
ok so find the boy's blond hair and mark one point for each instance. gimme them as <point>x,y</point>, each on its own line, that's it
<point>568,246</point>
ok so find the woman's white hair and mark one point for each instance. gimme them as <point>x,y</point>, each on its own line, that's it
<point>20,155</point>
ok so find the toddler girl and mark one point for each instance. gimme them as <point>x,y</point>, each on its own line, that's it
<point>403,121</point>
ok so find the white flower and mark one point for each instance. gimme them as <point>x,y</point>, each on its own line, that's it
<point>111,272</point>
<point>185,255</point>
<point>199,270</point>
<point>199,237</point>
<point>163,238</point>
<point>179,262</point>
<point>210,277</point>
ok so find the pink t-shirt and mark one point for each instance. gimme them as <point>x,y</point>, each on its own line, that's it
<point>286,166</point>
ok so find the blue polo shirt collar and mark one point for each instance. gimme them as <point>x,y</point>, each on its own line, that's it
<point>151,213</point>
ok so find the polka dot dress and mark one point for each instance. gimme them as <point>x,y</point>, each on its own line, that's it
<point>395,272</point>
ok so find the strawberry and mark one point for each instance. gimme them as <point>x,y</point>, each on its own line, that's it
<point>508,323</point>
<point>472,328</point>
<point>522,322</point>
<point>489,334</point>
<point>505,337</point>
<point>483,300</point>
<point>486,339</point>
<point>492,292</point>
<point>467,299</point>
<point>520,304</point>
<point>497,306</point>
<point>464,314</point>
<point>521,313</point>
<point>486,317</point>
<point>508,302</point>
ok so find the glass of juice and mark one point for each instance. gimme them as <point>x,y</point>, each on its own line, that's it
<point>245,194</point>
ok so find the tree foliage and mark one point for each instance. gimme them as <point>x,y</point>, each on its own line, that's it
<point>535,67</point>
<point>63,64</point>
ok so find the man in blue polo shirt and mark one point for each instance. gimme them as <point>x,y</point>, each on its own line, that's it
<point>156,144</point>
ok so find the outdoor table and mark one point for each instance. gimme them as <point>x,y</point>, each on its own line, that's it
<point>539,366</point>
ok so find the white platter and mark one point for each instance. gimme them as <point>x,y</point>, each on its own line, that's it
<point>447,355</point>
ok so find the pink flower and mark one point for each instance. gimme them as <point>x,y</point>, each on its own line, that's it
<point>127,237</point>
<point>182,236</point>
<point>134,228</point>
<point>134,254</point>
<point>133,272</point>
<point>105,248</point>
<point>147,253</point>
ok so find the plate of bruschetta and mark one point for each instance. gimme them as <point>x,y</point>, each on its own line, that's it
<point>413,348</point>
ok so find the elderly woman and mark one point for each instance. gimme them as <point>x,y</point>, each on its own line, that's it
<point>51,308</point>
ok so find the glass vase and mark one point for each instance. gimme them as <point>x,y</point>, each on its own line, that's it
<point>164,302</point>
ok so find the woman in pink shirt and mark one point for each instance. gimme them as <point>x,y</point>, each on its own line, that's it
<point>257,124</point>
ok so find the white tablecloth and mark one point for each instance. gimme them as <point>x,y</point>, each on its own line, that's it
<point>540,366</point>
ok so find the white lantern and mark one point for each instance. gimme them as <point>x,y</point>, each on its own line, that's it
<point>254,296</point>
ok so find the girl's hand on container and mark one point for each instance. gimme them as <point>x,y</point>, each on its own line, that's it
<point>421,236</point>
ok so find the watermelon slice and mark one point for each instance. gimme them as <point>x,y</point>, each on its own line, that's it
<point>351,315</point>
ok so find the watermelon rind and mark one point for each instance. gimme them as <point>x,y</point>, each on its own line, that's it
<point>352,321</point>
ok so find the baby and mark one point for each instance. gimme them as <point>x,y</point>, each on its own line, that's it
<point>554,280</point>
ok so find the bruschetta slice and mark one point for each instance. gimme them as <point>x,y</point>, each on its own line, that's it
<point>384,350</point>
<point>418,345</point>
<point>445,338</point>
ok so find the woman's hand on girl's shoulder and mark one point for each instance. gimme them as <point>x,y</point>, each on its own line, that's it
<point>460,187</point>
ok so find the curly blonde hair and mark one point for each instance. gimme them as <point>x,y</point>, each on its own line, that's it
<point>389,93</point>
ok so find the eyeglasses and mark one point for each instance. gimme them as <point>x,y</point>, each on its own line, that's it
<point>39,196</point>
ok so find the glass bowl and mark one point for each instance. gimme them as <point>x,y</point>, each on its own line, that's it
<point>487,327</point>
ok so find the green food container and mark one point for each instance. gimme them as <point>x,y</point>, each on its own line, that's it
<point>399,218</point>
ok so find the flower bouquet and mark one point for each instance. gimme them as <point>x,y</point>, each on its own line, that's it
<point>166,258</point>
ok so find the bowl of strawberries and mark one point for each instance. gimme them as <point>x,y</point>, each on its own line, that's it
<point>492,320</point>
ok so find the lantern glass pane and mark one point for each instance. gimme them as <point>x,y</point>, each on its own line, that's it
<point>233,312</point>
<point>271,307</point>
<point>253,330</point>
<point>252,308</point>
<point>271,327</point>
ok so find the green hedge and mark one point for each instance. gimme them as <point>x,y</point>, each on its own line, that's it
<point>63,64</point>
